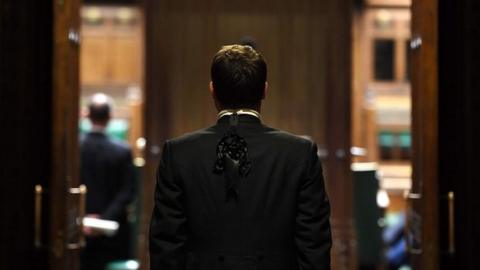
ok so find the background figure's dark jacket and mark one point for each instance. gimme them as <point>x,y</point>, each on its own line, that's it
<point>107,171</point>
<point>281,219</point>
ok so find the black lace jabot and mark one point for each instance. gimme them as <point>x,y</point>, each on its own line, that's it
<point>232,157</point>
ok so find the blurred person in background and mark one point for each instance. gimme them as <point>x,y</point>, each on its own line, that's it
<point>107,171</point>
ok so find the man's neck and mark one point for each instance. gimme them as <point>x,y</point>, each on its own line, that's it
<point>98,128</point>
<point>253,108</point>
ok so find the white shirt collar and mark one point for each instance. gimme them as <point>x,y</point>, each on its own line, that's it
<point>239,111</point>
<point>98,129</point>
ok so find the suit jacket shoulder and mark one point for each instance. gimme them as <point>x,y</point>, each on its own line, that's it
<point>111,145</point>
<point>202,143</point>
<point>120,145</point>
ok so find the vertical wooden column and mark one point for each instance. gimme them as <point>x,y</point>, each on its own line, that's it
<point>338,132</point>
<point>357,97</point>
<point>65,209</point>
<point>423,200</point>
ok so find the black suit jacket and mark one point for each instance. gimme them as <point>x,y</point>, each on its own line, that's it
<point>107,171</point>
<point>281,218</point>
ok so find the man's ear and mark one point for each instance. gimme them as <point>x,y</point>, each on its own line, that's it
<point>265,90</point>
<point>212,90</point>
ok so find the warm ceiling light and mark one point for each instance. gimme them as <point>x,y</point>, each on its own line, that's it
<point>384,17</point>
<point>124,15</point>
<point>93,14</point>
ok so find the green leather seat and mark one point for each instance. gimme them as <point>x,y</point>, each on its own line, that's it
<point>123,265</point>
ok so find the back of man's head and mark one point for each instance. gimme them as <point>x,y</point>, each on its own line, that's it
<point>99,109</point>
<point>239,74</point>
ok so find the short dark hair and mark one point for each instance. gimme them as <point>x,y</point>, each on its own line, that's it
<point>238,75</point>
<point>99,108</point>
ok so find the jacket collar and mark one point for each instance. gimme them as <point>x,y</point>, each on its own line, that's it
<point>97,133</point>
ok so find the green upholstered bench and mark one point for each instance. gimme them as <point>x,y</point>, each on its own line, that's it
<point>123,265</point>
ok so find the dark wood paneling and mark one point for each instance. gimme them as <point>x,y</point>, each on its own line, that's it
<point>307,46</point>
<point>295,54</point>
<point>338,131</point>
<point>25,101</point>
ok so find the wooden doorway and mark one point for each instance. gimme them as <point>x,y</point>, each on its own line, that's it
<point>112,64</point>
<point>309,82</point>
<point>381,130</point>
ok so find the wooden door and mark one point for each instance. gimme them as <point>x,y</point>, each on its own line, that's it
<point>459,133</point>
<point>25,117</point>
<point>39,96</point>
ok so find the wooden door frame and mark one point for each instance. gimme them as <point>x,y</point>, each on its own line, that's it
<point>339,133</point>
<point>156,125</point>
<point>64,208</point>
<point>424,193</point>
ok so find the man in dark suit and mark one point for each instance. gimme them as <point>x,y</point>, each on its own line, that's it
<point>107,171</point>
<point>240,195</point>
